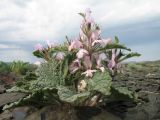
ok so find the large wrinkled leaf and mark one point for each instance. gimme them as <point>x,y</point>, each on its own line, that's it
<point>38,99</point>
<point>69,96</point>
<point>121,93</point>
<point>100,82</point>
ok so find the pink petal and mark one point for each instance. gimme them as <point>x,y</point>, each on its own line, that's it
<point>74,66</point>
<point>107,41</point>
<point>88,17</point>
<point>50,44</point>
<point>60,56</point>
<point>38,47</point>
<point>89,73</point>
<point>75,45</point>
<point>88,11</point>
<point>103,42</point>
<point>112,62</point>
<point>113,54</point>
<point>96,34</point>
<point>81,53</point>
<point>87,62</point>
<point>97,41</point>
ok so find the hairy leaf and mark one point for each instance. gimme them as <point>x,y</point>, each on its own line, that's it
<point>49,74</point>
<point>121,93</point>
<point>100,82</point>
<point>38,99</point>
<point>72,97</point>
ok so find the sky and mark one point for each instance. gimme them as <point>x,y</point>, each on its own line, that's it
<point>24,23</point>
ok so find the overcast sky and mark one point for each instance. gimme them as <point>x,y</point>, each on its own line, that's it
<point>23,23</point>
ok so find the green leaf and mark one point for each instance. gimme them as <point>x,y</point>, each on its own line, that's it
<point>72,97</point>
<point>49,75</point>
<point>100,82</point>
<point>121,93</point>
<point>40,98</point>
<point>113,46</point>
<point>82,14</point>
<point>116,39</point>
<point>130,55</point>
<point>38,54</point>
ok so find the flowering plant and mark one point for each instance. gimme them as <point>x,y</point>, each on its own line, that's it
<point>80,71</point>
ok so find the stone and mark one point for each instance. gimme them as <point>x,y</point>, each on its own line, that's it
<point>10,97</point>
<point>2,89</point>
<point>54,113</point>
<point>144,79</point>
<point>6,115</point>
<point>20,113</point>
<point>104,115</point>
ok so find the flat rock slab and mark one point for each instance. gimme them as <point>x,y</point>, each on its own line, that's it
<point>10,97</point>
<point>2,89</point>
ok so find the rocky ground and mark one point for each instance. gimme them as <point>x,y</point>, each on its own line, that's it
<point>143,78</point>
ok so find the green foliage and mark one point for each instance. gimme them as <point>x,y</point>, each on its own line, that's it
<point>39,54</point>
<point>116,39</point>
<point>134,66</point>
<point>119,93</point>
<point>112,46</point>
<point>38,99</point>
<point>50,88</point>
<point>101,82</point>
<point>30,76</point>
<point>49,75</point>
<point>4,67</point>
<point>54,83</point>
<point>82,14</point>
<point>72,97</point>
<point>19,67</point>
<point>130,55</point>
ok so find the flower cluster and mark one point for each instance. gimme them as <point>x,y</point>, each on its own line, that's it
<point>89,39</point>
<point>46,52</point>
<point>92,51</point>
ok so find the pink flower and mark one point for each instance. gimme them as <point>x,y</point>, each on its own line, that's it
<point>112,62</point>
<point>102,42</point>
<point>81,53</point>
<point>74,66</point>
<point>60,56</point>
<point>50,44</point>
<point>88,17</point>
<point>38,47</point>
<point>95,35</point>
<point>75,45</point>
<point>87,62</point>
<point>89,73</point>
<point>99,58</point>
